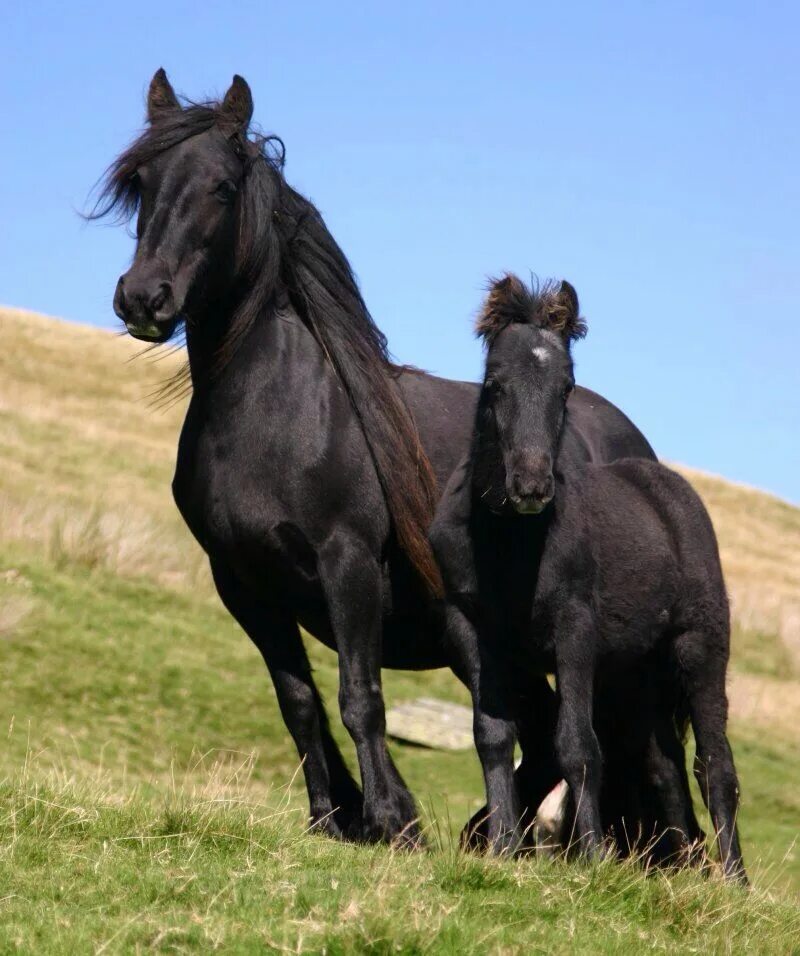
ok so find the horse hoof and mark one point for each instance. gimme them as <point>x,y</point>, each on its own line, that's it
<point>475,835</point>
<point>405,835</point>
<point>326,825</point>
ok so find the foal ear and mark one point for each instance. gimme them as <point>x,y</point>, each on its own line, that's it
<point>160,97</point>
<point>564,313</point>
<point>508,301</point>
<point>237,107</point>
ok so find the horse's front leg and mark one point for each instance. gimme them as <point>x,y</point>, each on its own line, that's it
<point>352,582</point>
<point>494,731</point>
<point>334,797</point>
<point>577,746</point>
<point>538,772</point>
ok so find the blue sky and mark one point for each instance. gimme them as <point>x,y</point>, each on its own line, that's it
<point>648,152</point>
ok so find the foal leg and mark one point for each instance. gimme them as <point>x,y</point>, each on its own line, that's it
<point>620,722</point>
<point>678,833</point>
<point>351,580</point>
<point>539,771</point>
<point>646,763</point>
<point>493,728</point>
<point>334,797</point>
<point>577,746</point>
<point>702,666</point>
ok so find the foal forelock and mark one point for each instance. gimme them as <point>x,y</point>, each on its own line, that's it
<point>541,304</point>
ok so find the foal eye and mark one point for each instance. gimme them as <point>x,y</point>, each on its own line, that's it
<point>225,191</point>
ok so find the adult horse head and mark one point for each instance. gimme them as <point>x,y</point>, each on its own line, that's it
<point>182,177</point>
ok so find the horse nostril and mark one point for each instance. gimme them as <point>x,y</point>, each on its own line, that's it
<point>160,298</point>
<point>119,298</point>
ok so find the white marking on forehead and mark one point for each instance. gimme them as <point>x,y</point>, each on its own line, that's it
<point>553,337</point>
<point>542,354</point>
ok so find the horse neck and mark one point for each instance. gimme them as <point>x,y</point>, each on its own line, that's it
<point>206,335</point>
<point>277,354</point>
<point>487,473</point>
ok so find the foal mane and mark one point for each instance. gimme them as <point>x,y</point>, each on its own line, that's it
<point>551,305</point>
<point>284,248</point>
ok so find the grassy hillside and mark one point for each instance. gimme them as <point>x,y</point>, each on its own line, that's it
<point>149,796</point>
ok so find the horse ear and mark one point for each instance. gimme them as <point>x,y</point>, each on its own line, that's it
<point>505,303</point>
<point>160,96</point>
<point>564,314</point>
<point>237,106</point>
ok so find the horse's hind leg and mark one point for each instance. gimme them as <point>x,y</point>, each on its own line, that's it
<point>675,829</point>
<point>539,771</point>
<point>702,663</point>
<point>646,800</point>
<point>334,797</point>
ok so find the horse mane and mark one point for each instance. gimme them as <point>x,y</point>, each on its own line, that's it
<point>551,305</point>
<point>284,248</point>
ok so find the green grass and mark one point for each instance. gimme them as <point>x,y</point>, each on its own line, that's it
<point>149,794</point>
<point>151,800</point>
<point>84,872</point>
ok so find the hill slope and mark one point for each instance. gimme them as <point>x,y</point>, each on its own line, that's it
<point>136,709</point>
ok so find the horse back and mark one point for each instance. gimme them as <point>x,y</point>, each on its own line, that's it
<point>659,534</point>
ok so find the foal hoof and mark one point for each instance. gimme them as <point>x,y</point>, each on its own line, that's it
<point>475,835</point>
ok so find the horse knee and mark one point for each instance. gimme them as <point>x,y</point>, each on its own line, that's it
<point>362,712</point>
<point>300,704</point>
<point>494,739</point>
<point>579,756</point>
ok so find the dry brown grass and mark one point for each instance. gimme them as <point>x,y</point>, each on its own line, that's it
<point>759,539</point>
<point>87,463</point>
<point>86,458</point>
<point>766,703</point>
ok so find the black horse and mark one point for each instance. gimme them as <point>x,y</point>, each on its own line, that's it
<point>308,463</point>
<point>593,571</point>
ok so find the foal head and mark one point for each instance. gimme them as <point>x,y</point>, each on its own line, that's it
<point>529,376</point>
<point>182,177</point>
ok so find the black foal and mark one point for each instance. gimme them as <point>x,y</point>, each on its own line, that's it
<point>607,575</point>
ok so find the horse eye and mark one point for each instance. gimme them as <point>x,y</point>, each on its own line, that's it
<point>225,191</point>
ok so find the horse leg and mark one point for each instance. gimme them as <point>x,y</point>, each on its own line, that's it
<point>576,743</point>
<point>666,777</point>
<point>535,713</point>
<point>494,731</point>
<point>334,797</point>
<point>539,771</point>
<point>351,580</point>
<point>645,783</point>
<point>702,666</point>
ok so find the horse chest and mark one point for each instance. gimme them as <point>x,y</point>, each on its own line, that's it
<point>239,515</point>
